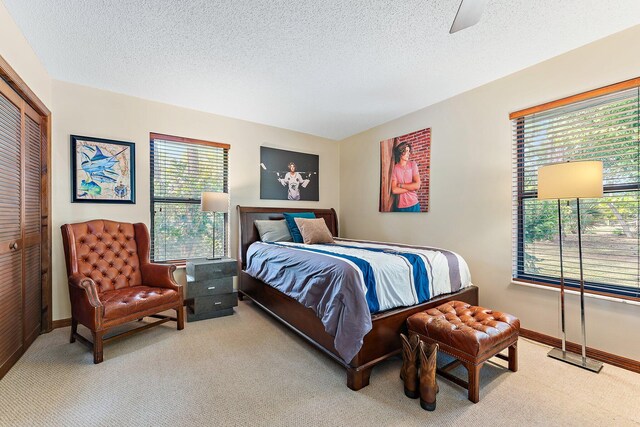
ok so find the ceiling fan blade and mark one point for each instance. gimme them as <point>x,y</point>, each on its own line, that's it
<point>469,14</point>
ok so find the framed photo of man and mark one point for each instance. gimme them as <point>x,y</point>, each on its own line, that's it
<point>288,175</point>
<point>404,172</point>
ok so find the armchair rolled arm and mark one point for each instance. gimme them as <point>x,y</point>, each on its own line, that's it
<point>86,284</point>
<point>86,307</point>
<point>160,275</point>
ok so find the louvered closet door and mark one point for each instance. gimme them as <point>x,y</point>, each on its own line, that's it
<point>11,319</point>
<point>32,307</point>
<point>21,148</point>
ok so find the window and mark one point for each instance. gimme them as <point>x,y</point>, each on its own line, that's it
<point>599,125</point>
<point>181,169</point>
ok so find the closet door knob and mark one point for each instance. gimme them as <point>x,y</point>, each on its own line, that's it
<point>13,246</point>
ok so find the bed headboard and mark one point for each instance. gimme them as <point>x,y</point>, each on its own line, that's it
<point>248,233</point>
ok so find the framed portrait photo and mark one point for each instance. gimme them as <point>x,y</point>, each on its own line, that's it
<point>102,170</point>
<point>405,165</point>
<point>289,175</point>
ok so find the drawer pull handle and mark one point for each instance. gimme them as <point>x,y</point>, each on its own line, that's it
<point>217,270</point>
<point>218,303</point>
<point>211,287</point>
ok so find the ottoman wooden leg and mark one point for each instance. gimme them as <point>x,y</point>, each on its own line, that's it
<point>474,381</point>
<point>513,357</point>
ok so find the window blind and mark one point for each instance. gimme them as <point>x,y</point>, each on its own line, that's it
<point>602,128</point>
<point>181,170</point>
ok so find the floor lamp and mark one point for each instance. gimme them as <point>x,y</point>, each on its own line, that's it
<point>571,180</point>
<point>215,202</point>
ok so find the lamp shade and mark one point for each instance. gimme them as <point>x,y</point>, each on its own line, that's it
<point>215,202</point>
<point>570,180</point>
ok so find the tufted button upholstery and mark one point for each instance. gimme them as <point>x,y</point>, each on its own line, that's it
<point>112,281</point>
<point>99,247</point>
<point>472,330</point>
<point>471,334</point>
<point>120,302</point>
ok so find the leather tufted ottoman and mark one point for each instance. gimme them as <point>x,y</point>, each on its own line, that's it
<point>471,334</point>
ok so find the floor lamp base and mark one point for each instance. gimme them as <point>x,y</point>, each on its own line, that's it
<point>576,359</point>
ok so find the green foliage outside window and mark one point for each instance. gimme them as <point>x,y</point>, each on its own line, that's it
<point>606,131</point>
<point>181,173</point>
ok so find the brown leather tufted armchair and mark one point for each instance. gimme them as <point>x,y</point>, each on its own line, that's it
<point>112,282</point>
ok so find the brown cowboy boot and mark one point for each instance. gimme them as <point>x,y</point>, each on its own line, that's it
<point>409,371</point>
<point>428,384</point>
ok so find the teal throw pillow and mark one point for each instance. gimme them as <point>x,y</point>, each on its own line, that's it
<point>293,227</point>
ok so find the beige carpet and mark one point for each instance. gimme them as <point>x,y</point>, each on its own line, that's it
<point>248,370</point>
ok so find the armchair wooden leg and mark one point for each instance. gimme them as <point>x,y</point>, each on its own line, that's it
<point>180,317</point>
<point>74,330</point>
<point>97,346</point>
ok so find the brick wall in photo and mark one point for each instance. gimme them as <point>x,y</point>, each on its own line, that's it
<point>421,143</point>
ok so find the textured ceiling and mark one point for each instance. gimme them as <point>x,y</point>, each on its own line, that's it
<point>324,67</point>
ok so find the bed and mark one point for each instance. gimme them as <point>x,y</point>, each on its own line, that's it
<point>379,344</point>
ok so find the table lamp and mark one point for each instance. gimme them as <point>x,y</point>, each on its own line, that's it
<point>214,202</point>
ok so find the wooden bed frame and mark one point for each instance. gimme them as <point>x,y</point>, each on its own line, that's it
<point>382,342</point>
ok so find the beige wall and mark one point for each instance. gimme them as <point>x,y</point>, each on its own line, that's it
<point>15,49</point>
<point>91,112</point>
<point>471,171</point>
<point>471,187</point>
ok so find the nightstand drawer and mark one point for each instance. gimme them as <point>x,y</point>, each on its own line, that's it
<point>209,287</point>
<point>215,303</point>
<point>203,269</point>
<point>209,291</point>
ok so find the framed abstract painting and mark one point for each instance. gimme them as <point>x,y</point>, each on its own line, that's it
<point>102,170</point>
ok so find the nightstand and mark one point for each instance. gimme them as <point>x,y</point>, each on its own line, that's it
<point>209,290</point>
